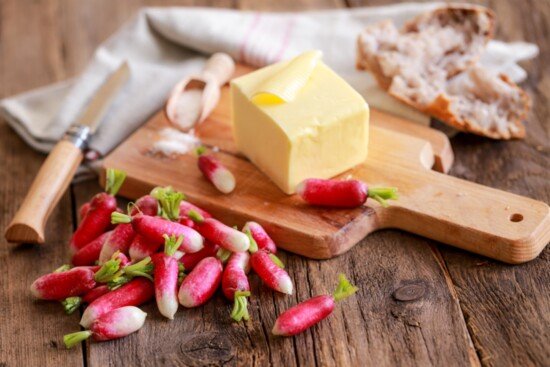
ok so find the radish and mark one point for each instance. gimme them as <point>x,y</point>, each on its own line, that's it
<point>217,232</point>
<point>135,293</point>
<point>188,222</point>
<point>166,278</point>
<point>110,269</point>
<point>186,206</point>
<point>153,229</point>
<point>199,286</point>
<point>215,172</point>
<point>190,260</point>
<point>141,247</point>
<point>93,268</point>
<point>62,284</point>
<point>83,210</point>
<point>343,193</point>
<point>147,205</point>
<point>118,270</point>
<point>124,234</point>
<point>120,240</point>
<point>302,316</point>
<point>95,293</point>
<point>169,201</point>
<point>112,325</point>
<point>261,237</point>
<point>71,304</point>
<point>235,284</point>
<point>89,254</point>
<point>98,217</point>
<point>269,269</point>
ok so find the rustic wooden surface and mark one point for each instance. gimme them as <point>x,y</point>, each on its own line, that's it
<point>465,309</point>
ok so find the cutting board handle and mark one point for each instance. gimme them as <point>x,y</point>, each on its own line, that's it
<point>476,218</point>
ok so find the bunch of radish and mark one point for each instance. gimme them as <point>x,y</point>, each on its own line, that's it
<point>169,250</point>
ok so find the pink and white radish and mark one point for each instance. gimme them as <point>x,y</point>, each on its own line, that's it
<point>95,293</point>
<point>141,247</point>
<point>119,271</point>
<point>215,171</point>
<point>220,234</point>
<point>120,240</point>
<point>269,269</point>
<point>343,193</point>
<point>147,205</point>
<point>111,268</point>
<point>71,304</point>
<point>235,284</point>
<point>186,206</point>
<point>89,254</point>
<point>62,284</point>
<point>199,286</point>
<point>188,222</point>
<point>111,325</point>
<point>134,293</point>
<point>83,210</point>
<point>166,278</point>
<point>190,260</point>
<point>124,234</point>
<point>272,275</point>
<point>98,216</point>
<point>308,313</point>
<point>261,237</point>
<point>154,228</point>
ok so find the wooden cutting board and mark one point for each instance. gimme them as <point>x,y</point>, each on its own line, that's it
<point>473,217</point>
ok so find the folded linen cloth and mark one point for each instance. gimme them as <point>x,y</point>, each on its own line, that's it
<point>162,45</point>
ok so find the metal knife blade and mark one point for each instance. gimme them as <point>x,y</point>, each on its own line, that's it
<point>99,104</point>
<point>56,173</point>
<point>92,116</point>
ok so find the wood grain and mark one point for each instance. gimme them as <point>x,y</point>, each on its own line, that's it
<point>32,330</point>
<point>515,300</point>
<point>504,308</point>
<point>476,218</point>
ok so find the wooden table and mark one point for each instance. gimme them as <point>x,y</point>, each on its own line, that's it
<point>467,310</point>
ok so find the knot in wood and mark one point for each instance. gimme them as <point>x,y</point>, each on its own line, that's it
<point>207,349</point>
<point>410,292</point>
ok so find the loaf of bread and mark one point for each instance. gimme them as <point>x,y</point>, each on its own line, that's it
<point>431,65</point>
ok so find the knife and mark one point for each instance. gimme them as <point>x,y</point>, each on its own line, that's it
<point>57,171</point>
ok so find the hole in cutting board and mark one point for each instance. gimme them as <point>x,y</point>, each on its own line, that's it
<point>516,217</point>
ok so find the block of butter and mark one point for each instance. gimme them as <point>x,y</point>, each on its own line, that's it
<point>298,119</point>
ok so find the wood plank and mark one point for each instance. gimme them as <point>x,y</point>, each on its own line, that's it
<point>512,303</point>
<point>494,345</point>
<point>506,308</point>
<point>32,331</point>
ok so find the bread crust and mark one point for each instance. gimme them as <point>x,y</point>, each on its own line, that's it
<point>440,108</point>
<point>441,105</point>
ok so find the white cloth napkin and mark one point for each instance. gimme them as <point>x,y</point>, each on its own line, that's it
<point>162,45</point>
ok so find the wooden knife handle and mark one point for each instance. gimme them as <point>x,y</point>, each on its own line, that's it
<point>50,183</point>
<point>473,217</point>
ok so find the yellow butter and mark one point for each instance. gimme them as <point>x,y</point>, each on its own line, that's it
<point>298,119</point>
